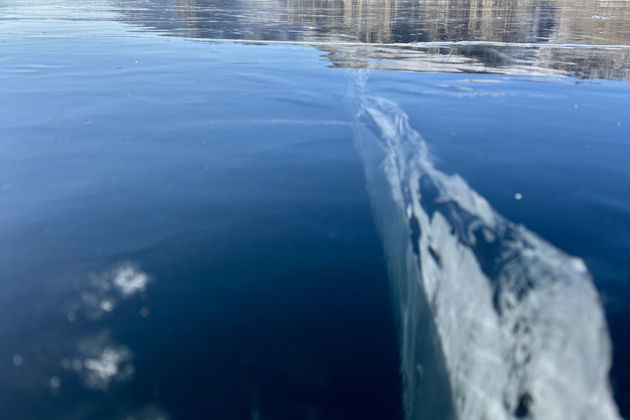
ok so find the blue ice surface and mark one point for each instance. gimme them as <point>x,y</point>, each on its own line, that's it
<point>227,172</point>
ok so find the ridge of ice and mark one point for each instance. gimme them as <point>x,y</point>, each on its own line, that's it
<point>518,322</point>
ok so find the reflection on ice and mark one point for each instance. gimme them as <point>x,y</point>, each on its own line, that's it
<point>585,38</point>
<point>502,36</point>
<point>489,313</point>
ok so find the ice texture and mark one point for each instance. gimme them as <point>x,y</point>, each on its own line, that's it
<point>494,322</point>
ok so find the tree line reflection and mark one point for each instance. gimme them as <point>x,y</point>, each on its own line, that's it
<point>541,24</point>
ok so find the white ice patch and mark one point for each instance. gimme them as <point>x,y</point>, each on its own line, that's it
<point>520,325</point>
<point>107,366</point>
<point>100,361</point>
<point>129,280</point>
<point>105,289</point>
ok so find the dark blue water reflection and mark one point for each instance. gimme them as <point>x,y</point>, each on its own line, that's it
<point>185,231</point>
<point>235,187</point>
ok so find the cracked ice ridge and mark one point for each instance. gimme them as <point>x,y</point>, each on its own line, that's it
<point>519,322</point>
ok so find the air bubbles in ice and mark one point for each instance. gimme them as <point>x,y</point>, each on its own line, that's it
<point>107,366</point>
<point>101,361</point>
<point>54,382</point>
<point>107,288</point>
<point>130,280</point>
<point>17,360</point>
<point>107,305</point>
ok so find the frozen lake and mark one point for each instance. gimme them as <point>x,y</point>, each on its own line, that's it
<point>289,209</point>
